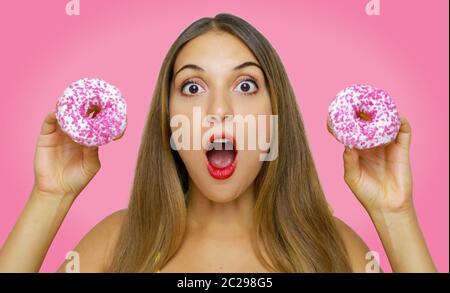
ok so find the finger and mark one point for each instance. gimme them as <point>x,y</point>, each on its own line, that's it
<point>352,171</point>
<point>329,128</point>
<point>90,153</point>
<point>404,134</point>
<point>123,132</point>
<point>120,135</point>
<point>50,124</point>
<point>91,161</point>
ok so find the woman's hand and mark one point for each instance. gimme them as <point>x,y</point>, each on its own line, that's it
<point>381,177</point>
<point>381,180</point>
<point>62,169</point>
<point>62,166</point>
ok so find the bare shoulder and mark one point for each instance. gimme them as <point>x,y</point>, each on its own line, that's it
<point>95,247</point>
<point>356,248</point>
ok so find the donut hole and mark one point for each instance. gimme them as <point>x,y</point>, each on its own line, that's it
<point>366,116</point>
<point>93,110</point>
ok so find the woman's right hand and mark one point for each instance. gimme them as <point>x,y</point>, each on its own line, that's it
<point>61,166</point>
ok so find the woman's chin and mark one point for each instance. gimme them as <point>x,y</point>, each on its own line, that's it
<point>221,197</point>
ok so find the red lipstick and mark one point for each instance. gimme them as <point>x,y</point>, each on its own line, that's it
<point>221,157</point>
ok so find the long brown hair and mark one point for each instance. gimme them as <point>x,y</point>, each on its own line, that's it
<point>293,222</point>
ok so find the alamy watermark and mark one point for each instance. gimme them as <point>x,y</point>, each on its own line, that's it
<point>73,7</point>
<point>373,264</point>
<point>373,7</point>
<point>73,262</point>
<point>259,131</point>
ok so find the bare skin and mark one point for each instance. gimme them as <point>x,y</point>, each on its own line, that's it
<point>380,179</point>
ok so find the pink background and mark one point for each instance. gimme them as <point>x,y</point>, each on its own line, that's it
<point>325,46</point>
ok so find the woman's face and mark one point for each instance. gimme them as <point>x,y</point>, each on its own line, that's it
<point>222,80</point>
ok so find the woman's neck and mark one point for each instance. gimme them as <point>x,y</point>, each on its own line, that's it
<point>220,220</point>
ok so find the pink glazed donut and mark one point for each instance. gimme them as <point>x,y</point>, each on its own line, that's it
<point>92,112</point>
<point>363,117</point>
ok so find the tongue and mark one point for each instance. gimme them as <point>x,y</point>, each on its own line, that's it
<point>220,159</point>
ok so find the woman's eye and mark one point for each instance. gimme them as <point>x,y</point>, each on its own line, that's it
<point>247,86</point>
<point>191,88</point>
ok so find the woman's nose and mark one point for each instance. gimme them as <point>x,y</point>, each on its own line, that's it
<point>219,108</point>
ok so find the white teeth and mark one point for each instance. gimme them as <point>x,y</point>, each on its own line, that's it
<point>222,140</point>
<point>221,144</point>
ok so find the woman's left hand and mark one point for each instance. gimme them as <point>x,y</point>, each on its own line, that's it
<point>381,180</point>
<point>381,177</point>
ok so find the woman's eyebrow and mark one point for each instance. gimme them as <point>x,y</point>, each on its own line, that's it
<point>198,68</point>
<point>246,64</point>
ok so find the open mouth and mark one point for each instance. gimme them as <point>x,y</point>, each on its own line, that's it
<point>221,156</point>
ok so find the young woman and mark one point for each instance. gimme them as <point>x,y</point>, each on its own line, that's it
<point>264,216</point>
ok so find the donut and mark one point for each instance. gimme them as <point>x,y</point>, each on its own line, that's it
<point>363,117</point>
<point>92,112</point>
